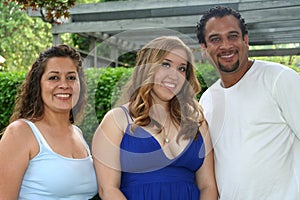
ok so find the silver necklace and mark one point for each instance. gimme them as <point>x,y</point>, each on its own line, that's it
<point>166,134</point>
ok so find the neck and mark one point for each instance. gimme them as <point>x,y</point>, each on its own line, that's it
<point>56,119</point>
<point>159,113</point>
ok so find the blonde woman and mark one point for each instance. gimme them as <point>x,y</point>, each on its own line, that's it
<point>156,145</point>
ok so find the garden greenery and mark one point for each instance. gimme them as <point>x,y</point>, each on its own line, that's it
<point>104,88</point>
<point>54,9</point>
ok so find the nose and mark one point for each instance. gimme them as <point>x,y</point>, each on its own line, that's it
<point>63,84</point>
<point>173,74</point>
<point>226,44</point>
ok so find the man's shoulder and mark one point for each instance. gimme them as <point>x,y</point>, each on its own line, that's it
<point>269,65</point>
<point>213,88</point>
<point>268,69</point>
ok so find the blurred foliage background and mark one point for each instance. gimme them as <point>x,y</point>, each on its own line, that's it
<point>105,86</point>
<point>23,37</point>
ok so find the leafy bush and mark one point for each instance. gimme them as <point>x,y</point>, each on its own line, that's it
<point>9,84</point>
<point>104,88</point>
<point>109,88</point>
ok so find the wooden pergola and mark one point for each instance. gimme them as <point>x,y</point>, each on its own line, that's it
<point>127,25</point>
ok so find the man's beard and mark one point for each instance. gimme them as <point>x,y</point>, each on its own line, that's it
<point>228,70</point>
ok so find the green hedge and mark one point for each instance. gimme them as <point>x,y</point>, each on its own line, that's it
<point>104,87</point>
<point>9,82</point>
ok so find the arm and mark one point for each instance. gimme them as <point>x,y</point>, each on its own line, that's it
<point>205,176</point>
<point>106,153</point>
<point>287,96</point>
<point>16,149</point>
<point>205,179</point>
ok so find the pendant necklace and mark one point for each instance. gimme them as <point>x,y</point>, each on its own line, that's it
<point>166,140</point>
<point>166,134</point>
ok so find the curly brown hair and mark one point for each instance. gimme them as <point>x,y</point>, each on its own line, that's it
<point>29,103</point>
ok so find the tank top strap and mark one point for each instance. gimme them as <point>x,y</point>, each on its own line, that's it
<point>126,114</point>
<point>38,135</point>
<point>79,132</point>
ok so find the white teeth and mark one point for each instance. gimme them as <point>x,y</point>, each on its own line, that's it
<point>170,85</point>
<point>63,95</point>
<point>227,56</point>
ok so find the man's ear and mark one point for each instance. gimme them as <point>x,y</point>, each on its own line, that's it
<point>203,46</point>
<point>246,40</point>
<point>203,50</point>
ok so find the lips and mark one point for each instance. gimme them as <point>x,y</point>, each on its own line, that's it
<point>227,55</point>
<point>169,85</point>
<point>63,95</point>
<point>172,87</point>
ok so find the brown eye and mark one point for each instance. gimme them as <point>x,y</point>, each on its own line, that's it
<point>72,78</point>
<point>215,39</point>
<point>182,68</point>
<point>53,78</point>
<point>166,64</point>
<point>233,37</point>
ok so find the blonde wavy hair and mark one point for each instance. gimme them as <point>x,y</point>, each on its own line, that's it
<point>185,111</point>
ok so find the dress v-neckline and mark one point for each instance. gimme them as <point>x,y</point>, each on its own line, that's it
<point>160,147</point>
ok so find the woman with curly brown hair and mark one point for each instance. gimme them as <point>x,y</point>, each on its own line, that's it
<point>156,146</point>
<point>43,155</point>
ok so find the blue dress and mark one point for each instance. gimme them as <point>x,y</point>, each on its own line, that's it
<point>148,174</point>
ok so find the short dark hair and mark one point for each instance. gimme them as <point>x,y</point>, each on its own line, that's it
<point>219,11</point>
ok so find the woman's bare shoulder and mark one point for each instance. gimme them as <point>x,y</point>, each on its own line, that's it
<point>18,127</point>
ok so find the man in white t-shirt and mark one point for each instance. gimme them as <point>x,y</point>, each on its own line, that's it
<point>253,112</point>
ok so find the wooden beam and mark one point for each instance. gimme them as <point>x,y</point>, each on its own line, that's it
<point>274,52</point>
<point>269,22</point>
<point>120,6</point>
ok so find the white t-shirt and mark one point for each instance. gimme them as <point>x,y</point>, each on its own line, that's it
<point>255,130</point>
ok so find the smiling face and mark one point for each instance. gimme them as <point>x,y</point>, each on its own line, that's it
<point>60,86</point>
<point>226,47</point>
<point>170,77</point>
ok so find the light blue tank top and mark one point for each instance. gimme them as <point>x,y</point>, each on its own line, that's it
<point>50,176</point>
